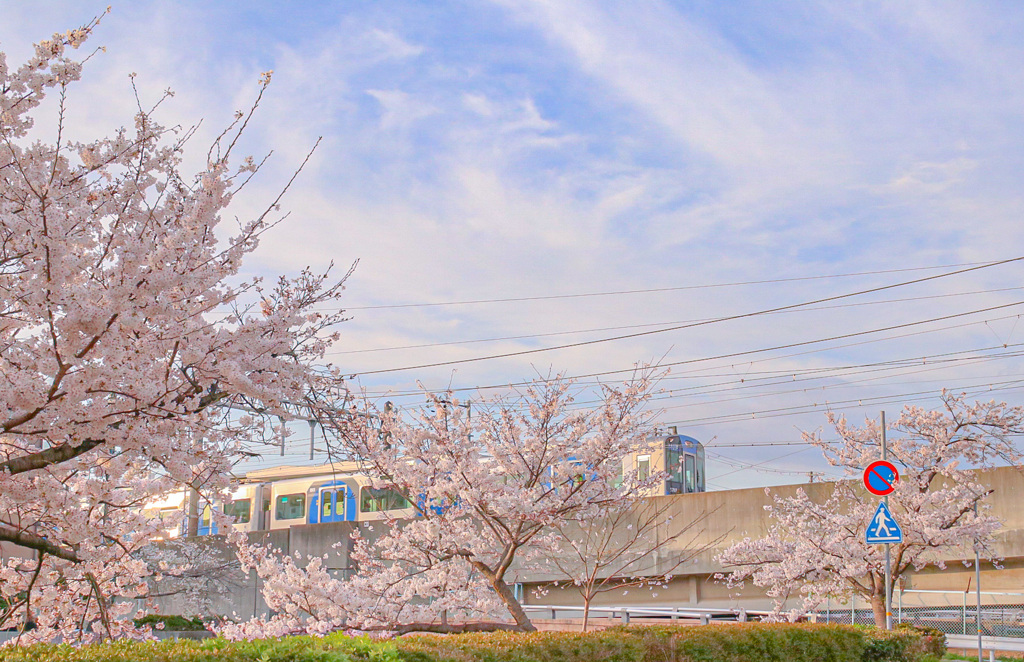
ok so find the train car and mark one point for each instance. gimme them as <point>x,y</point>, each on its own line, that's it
<point>314,495</point>
<point>282,497</point>
<point>681,457</point>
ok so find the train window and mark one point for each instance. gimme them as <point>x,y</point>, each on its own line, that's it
<point>691,479</point>
<point>207,516</point>
<point>643,467</point>
<point>326,499</point>
<point>376,500</point>
<point>239,509</point>
<point>290,506</point>
<point>674,466</point>
<point>700,469</point>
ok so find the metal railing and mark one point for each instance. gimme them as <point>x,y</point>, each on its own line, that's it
<point>625,613</point>
<point>952,612</point>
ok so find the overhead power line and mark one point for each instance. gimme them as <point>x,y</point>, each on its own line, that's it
<point>655,289</point>
<point>711,321</point>
<point>531,336</point>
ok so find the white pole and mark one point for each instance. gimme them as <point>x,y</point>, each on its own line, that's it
<point>977,584</point>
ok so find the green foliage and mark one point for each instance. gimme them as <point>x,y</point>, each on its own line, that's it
<point>933,640</point>
<point>172,623</point>
<point>751,642</point>
<point>894,646</point>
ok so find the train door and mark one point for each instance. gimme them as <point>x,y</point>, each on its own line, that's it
<point>332,503</point>
<point>261,506</point>
<point>207,525</point>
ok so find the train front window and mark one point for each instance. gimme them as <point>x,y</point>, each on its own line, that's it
<point>207,516</point>
<point>290,506</point>
<point>674,467</point>
<point>691,478</point>
<point>239,509</point>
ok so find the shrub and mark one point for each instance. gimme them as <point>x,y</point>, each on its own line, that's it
<point>173,623</point>
<point>748,642</point>
<point>933,640</point>
<point>894,646</point>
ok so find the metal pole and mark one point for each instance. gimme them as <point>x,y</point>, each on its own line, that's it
<point>965,612</point>
<point>312,437</point>
<point>888,558</point>
<point>977,583</point>
<point>281,418</point>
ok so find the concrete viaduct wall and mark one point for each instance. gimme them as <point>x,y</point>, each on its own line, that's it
<point>736,514</point>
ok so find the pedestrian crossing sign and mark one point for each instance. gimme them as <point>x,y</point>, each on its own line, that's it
<point>883,527</point>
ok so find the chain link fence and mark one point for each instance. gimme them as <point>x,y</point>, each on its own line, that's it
<point>952,612</point>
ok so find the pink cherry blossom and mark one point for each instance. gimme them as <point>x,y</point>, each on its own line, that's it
<point>125,333</point>
<point>816,549</point>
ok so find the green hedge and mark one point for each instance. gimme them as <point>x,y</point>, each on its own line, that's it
<point>711,643</point>
<point>173,623</point>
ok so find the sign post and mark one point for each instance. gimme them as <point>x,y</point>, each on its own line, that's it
<point>880,478</point>
<point>888,559</point>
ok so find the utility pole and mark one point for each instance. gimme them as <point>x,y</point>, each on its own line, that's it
<point>312,437</point>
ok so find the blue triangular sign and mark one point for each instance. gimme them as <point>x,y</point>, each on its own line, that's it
<point>883,527</point>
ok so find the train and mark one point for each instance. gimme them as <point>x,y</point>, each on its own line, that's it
<point>286,496</point>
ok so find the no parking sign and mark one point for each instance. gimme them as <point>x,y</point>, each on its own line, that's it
<point>881,477</point>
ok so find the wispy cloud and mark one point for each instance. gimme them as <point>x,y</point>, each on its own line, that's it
<point>529,147</point>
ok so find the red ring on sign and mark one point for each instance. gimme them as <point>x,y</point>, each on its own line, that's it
<point>880,471</point>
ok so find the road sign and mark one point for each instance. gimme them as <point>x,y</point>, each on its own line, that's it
<point>883,528</point>
<point>881,477</point>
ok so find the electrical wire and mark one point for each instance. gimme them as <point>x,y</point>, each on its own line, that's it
<point>912,396</point>
<point>656,289</point>
<point>532,336</point>
<point>696,324</point>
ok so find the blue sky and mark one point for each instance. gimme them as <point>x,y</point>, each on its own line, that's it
<point>513,149</point>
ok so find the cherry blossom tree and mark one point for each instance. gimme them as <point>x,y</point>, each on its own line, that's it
<point>817,549</point>
<point>488,484</point>
<point>127,343</point>
<point>635,543</point>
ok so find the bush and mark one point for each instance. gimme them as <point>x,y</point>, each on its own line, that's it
<point>173,623</point>
<point>933,640</point>
<point>748,642</point>
<point>894,646</point>
<point>751,642</point>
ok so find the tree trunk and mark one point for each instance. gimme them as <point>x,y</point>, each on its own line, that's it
<point>586,611</point>
<point>878,607</point>
<point>507,598</point>
<point>192,524</point>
